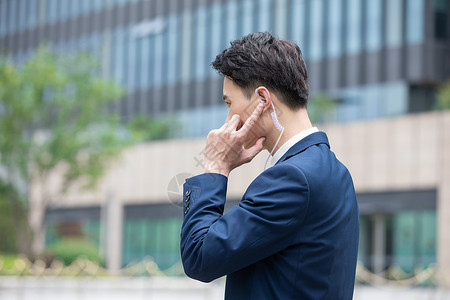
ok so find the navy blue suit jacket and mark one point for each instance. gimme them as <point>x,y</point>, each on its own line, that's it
<point>294,234</point>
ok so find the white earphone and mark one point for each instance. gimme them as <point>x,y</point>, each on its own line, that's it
<point>277,125</point>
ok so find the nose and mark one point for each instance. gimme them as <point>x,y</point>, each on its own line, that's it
<point>230,114</point>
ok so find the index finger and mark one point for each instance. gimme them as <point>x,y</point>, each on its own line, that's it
<point>251,121</point>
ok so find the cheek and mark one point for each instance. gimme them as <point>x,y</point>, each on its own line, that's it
<point>229,115</point>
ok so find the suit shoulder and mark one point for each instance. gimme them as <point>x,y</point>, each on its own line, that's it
<point>284,172</point>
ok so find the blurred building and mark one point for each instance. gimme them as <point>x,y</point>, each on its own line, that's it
<point>378,61</point>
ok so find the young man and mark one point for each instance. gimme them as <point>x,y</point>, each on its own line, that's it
<point>294,235</point>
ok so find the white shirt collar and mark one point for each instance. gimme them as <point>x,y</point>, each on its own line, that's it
<point>291,142</point>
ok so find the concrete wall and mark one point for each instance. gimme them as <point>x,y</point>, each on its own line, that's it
<point>411,152</point>
<point>113,288</point>
<point>30,288</point>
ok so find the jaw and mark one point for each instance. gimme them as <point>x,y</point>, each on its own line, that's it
<point>251,141</point>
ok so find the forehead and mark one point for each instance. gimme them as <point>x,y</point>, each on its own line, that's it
<point>227,85</point>
<point>230,88</point>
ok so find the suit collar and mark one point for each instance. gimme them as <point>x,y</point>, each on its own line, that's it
<point>311,140</point>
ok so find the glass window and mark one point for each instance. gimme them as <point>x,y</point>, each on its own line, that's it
<point>216,34</point>
<point>335,28</point>
<point>12,18</point>
<point>97,4</point>
<point>3,18</point>
<point>316,29</point>
<point>173,49</point>
<point>415,12</point>
<point>134,239</point>
<point>354,26</point>
<point>90,229</point>
<point>118,56</point>
<point>164,58</point>
<point>193,122</point>
<point>441,18</point>
<point>374,22</point>
<point>64,10</point>
<point>281,18</point>
<point>145,62</point>
<point>121,2</point>
<point>71,46</point>
<point>395,99</point>
<point>22,22</point>
<point>152,60</point>
<point>157,238</point>
<point>394,23</point>
<point>364,235</point>
<point>414,239</point>
<point>200,43</point>
<point>131,63</point>
<point>75,8</point>
<point>82,44</point>
<point>231,21</point>
<point>371,101</point>
<point>428,238</point>
<point>264,16</point>
<point>158,63</point>
<point>297,21</point>
<point>52,10</point>
<point>186,35</point>
<point>17,57</point>
<point>85,6</point>
<point>32,13</point>
<point>248,14</point>
<point>409,239</point>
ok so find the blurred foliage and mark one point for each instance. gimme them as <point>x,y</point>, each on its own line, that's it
<point>14,229</point>
<point>8,260</point>
<point>21,265</point>
<point>55,114</point>
<point>69,250</point>
<point>7,238</point>
<point>147,129</point>
<point>321,108</point>
<point>443,97</point>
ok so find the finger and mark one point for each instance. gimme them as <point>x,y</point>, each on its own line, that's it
<point>225,125</point>
<point>227,121</point>
<point>251,152</point>
<point>251,121</point>
<point>233,123</point>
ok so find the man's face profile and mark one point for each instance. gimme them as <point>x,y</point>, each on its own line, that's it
<point>239,104</point>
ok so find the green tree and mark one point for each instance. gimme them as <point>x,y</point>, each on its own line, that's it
<point>320,108</point>
<point>443,97</point>
<point>55,116</point>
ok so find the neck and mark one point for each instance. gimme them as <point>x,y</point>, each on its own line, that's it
<point>293,124</point>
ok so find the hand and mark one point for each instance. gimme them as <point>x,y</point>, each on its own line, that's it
<point>225,150</point>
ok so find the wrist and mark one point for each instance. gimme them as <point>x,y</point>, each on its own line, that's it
<point>217,169</point>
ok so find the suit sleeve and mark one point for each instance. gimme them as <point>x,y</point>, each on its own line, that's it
<point>264,223</point>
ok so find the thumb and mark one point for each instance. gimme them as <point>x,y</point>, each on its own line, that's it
<point>251,152</point>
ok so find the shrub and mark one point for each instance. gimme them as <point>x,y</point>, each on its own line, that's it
<point>69,249</point>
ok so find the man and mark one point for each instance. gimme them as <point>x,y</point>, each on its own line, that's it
<point>294,234</point>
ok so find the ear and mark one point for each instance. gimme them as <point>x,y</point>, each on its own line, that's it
<point>263,94</point>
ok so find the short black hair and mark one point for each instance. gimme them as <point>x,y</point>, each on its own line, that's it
<point>263,59</point>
